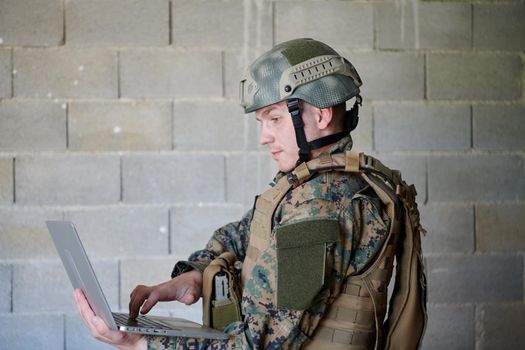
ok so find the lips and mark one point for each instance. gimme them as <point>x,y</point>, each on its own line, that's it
<point>275,153</point>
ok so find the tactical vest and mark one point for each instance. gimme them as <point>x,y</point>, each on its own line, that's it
<point>354,318</point>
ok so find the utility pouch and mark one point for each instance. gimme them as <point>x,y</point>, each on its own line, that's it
<point>302,260</point>
<point>220,292</point>
<point>224,312</point>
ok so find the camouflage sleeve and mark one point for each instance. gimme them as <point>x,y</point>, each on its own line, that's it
<point>232,237</point>
<point>372,227</point>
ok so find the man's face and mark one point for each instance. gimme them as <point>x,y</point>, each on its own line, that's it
<point>277,132</point>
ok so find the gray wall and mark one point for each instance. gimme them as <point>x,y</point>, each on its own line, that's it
<point>122,116</point>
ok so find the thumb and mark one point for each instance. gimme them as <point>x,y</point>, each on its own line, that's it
<point>188,297</point>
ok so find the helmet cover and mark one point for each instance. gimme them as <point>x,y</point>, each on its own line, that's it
<point>305,69</point>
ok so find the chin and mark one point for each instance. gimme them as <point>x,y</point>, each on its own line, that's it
<point>286,165</point>
<point>286,168</point>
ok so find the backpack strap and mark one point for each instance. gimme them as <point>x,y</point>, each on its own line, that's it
<point>407,316</point>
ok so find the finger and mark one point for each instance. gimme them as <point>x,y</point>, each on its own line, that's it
<point>136,289</point>
<point>86,313</point>
<point>104,333</point>
<point>139,296</point>
<point>153,298</point>
<point>83,307</point>
<point>96,325</point>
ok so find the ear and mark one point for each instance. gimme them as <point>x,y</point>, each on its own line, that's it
<point>324,117</point>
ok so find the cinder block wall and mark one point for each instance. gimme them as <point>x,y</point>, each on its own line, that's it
<point>122,116</point>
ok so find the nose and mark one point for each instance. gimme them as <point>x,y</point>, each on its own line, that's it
<point>265,136</point>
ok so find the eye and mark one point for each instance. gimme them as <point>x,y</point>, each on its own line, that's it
<point>275,119</point>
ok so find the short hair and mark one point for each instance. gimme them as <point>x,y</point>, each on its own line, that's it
<point>339,113</point>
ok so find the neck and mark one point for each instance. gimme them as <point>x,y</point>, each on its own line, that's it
<point>316,152</point>
<point>322,133</point>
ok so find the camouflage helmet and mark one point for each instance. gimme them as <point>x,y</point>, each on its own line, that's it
<point>304,69</point>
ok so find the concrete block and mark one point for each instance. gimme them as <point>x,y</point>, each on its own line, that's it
<point>197,23</point>
<point>362,136</point>
<point>350,25</point>
<point>67,180</point>
<point>38,281</point>
<point>474,76</point>
<point>243,183</point>
<point>397,27</point>
<point>147,271</point>
<point>413,168</point>
<point>169,73</point>
<point>65,73</point>
<point>463,279</point>
<point>193,126</point>
<point>441,333</point>
<point>235,64</point>
<point>475,178</point>
<point>5,288</point>
<point>23,232</point>
<point>499,127</point>
<point>192,227</point>
<point>252,130</point>
<point>173,178</point>
<point>122,231</point>
<point>119,126</point>
<point>499,26</point>
<point>500,227</point>
<point>6,180</point>
<point>390,75</point>
<point>78,336</point>
<point>5,72</point>
<point>46,330</point>
<point>501,326</point>
<point>31,23</point>
<point>32,126</point>
<point>450,228</point>
<point>117,23</point>
<point>422,127</point>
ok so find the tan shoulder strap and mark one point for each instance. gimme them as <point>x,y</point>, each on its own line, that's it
<point>265,205</point>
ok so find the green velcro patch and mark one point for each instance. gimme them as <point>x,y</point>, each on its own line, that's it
<point>307,232</point>
<point>301,260</point>
<point>299,50</point>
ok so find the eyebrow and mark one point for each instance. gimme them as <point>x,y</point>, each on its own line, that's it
<point>266,112</point>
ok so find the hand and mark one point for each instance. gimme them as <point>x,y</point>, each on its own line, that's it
<point>99,329</point>
<point>186,288</point>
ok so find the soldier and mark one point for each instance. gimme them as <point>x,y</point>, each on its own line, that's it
<point>318,247</point>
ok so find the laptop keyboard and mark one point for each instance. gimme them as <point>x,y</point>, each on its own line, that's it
<point>140,321</point>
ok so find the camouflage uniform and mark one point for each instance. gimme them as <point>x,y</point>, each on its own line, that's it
<point>333,195</point>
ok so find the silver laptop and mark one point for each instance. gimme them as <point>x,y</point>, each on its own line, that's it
<point>81,274</point>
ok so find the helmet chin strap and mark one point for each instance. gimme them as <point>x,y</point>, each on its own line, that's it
<point>306,147</point>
